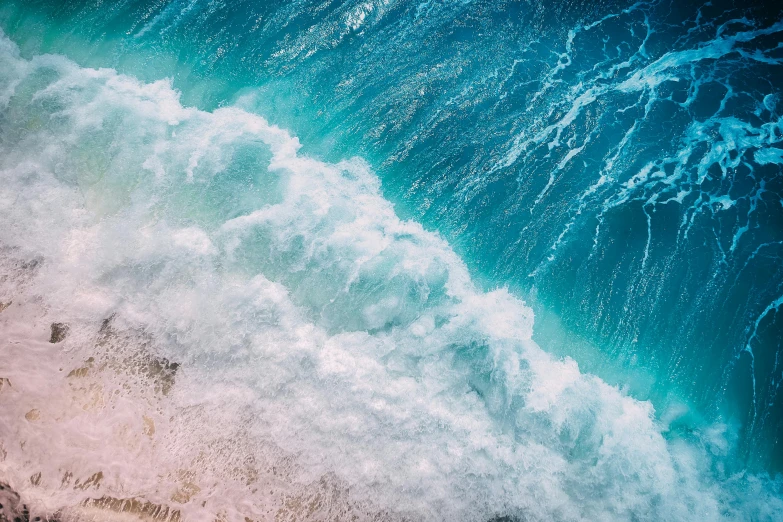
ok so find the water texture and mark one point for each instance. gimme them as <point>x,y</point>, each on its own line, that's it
<point>353,300</point>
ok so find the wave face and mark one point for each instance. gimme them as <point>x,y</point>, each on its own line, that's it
<point>250,318</point>
<point>616,164</point>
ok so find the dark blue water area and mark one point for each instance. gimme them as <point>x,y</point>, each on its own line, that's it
<point>619,165</point>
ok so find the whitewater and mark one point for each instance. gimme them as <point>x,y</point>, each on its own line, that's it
<point>389,260</point>
<point>198,316</point>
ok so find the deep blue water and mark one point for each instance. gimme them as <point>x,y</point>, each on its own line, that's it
<point>617,165</point>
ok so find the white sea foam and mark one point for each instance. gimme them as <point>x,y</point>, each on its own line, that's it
<point>335,360</point>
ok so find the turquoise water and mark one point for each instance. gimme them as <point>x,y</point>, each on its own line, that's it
<point>617,166</point>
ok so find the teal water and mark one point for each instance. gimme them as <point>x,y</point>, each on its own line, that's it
<point>616,165</point>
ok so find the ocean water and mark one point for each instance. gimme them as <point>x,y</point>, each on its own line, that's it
<point>390,260</point>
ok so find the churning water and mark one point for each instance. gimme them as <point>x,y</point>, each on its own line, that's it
<point>280,260</point>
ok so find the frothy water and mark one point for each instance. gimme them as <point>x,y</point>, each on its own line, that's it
<point>616,164</point>
<point>246,331</point>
